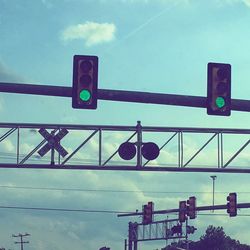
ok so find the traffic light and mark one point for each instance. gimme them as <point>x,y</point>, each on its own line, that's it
<point>191,229</point>
<point>148,213</point>
<point>85,80</point>
<point>182,211</point>
<point>191,209</point>
<point>133,231</point>
<point>176,229</point>
<point>232,204</point>
<point>219,89</point>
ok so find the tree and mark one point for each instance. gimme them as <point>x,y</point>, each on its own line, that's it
<point>216,239</point>
<point>213,239</point>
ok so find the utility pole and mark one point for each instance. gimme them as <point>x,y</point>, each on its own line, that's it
<point>21,239</point>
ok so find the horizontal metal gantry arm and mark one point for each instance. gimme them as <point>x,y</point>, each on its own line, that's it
<point>176,210</point>
<point>57,140</point>
<point>121,95</point>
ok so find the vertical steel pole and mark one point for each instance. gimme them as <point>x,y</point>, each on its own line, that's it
<point>100,147</point>
<point>135,245</point>
<point>219,151</point>
<point>181,149</point>
<point>213,177</point>
<point>139,144</point>
<point>221,141</point>
<point>187,242</point>
<point>130,242</point>
<point>18,143</point>
<point>52,156</point>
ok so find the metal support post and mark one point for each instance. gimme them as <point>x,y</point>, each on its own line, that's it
<point>130,242</point>
<point>139,144</point>
<point>213,177</point>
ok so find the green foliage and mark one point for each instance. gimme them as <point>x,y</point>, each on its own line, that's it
<point>213,239</point>
<point>216,239</point>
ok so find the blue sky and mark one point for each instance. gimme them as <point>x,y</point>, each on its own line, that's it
<point>160,46</point>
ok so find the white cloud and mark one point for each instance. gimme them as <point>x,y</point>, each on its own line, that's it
<point>246,2</point>
<point>47,3</point>
<point>222,2</point>
<point>92,33</point>
<point>8,146</point>
<point>153,1</point>
<point>8,75</point>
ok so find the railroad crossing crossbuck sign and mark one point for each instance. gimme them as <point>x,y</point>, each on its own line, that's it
<point>53,142</point>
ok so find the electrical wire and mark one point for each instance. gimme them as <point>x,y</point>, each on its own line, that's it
<point>64,209</point>
<point>111,191</point>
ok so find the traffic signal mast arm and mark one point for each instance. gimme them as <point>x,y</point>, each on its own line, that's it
<point>202,208</point>
<point>121,95</point>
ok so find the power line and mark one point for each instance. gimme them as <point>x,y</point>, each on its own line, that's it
<point>63,209</point>
<point>113,191</point>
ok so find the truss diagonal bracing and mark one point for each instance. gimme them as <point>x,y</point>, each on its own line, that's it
<point>96,148</point>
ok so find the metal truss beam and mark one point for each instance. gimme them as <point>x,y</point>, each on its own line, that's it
<point>95,143</point>
<point>157,230</point>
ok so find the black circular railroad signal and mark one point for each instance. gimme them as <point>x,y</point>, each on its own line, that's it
<point>127,150</point>
<point>150,151</point>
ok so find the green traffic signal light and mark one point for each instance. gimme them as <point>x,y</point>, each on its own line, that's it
<point>85,95</point>
<point>220,102</point>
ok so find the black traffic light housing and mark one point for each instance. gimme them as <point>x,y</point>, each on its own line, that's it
<point>176,229</point>
<point>85,82</point>
<point>219,89</point>
<point>191,208</point>
<point>148,209</point>
<point>232,204</point>
<point>190,229</point>
<point>182,211</point>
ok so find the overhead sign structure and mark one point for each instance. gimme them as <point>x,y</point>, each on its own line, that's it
<point>85,80</point>
<point>219,89</point>
<point>53,142</point>
<point>172,136</point>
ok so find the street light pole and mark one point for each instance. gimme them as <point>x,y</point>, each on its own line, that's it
<point>213,177</point>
